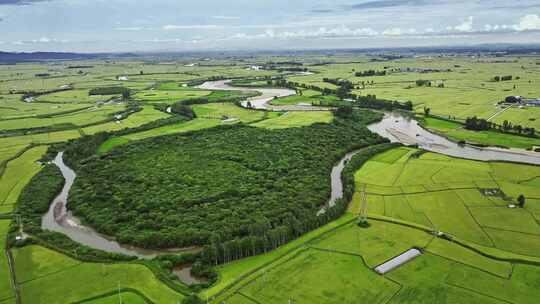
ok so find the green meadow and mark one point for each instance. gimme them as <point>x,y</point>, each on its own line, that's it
<point>467,90</point>
<point>486,252</point>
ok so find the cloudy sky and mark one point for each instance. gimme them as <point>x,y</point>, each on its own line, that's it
<point>176,25</point>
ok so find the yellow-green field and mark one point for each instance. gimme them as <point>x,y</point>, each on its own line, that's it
<point>495,252</point>
<point>407,197</point>
<point>468,89</point>
<point>49,277</point>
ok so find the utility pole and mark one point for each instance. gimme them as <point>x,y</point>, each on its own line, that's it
<point>363,209</point>
<point>119,294</point>
<point>363,217</point>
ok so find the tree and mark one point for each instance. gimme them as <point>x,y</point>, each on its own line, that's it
<point>249,105</point>
<point>126,94</point>
<point>408,105</point>
<point>179,108</point>
<point>344,112</point>
<point>192,299</point>
<point>427,111</point>
<point>521,200</point>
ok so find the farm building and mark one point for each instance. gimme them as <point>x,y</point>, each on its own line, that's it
<point>522,101</point>
<point>532,102</point>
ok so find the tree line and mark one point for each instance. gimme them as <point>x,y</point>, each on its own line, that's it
<point>368,101</point>
<point>109,91</point>
<point>479,124</point>
<point>368,73</point>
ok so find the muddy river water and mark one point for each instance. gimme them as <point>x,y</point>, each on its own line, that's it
<point>59,219</point>
<point>394,126</point>
<point>400,128</point>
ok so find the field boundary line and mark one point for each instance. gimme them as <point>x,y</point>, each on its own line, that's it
<point>435,173</point>
<point>471,266</point>
<point>518,258</point>
<point>298,247</point>
<point>50,274</point>
<point>514,231</point>
<point>476,292</point>
<point>13,277</point>
<point>258,275</point>
<point>249,298</point>
<point>499,112</point>
<point>528,180</point>
<point>422,192</point>
<point>361,257</point>
<point>476,222</point>
<point>4,164</point>
<point>113,292</point>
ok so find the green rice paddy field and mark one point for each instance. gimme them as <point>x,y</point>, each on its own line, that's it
<point>406,198</point>
<point>468,87</point>
<point>457,132</point>
<point>495,250</point>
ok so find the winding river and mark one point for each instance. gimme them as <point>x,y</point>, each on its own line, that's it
<point>398,127</point>
<point>59,219</point>
<point>394,126</point>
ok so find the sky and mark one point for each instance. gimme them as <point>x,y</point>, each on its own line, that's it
<point>202,25</point>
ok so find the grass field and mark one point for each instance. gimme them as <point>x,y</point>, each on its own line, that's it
<point>122,298</point>
<point>6,291</point>
<point>12,107</point>
<point>229,112</point>
<point>296,119</point>
<point>215,114</point>
<point>328,266</point>
<point>81,118</point>
<point>16,175</point>
<point>308,97</point>
<point>49,277</point>
<point>468,89</point>
<point>433,191</point>
<point>148,114</point>
<point>75,96</point>
<point>457,132</point>
<point>169,96</point>
<point>314,276</point>
<point>333,263</point>
<point>418,189</point>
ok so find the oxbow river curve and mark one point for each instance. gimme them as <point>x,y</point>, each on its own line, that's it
<point>394,126</point>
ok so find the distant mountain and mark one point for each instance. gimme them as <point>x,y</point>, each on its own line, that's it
<point>6,57</point>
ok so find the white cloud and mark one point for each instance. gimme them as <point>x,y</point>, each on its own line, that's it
<point>172,27</point>
<point>398,31</point>
<point>528,22</point>
<point>392,32</point>
<point>226,17</point>
<point>135,28</point>
<point>465,26</point>
<point>321,32</point>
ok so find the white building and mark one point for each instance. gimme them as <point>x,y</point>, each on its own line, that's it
<point>532,102</point>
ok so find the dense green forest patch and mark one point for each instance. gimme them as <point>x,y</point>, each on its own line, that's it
<point>227,182</point>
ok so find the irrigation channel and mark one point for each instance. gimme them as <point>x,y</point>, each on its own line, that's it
<point>394,126</point>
